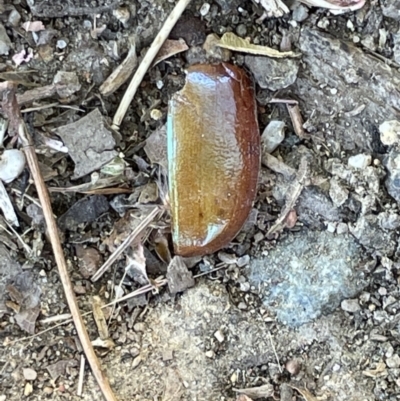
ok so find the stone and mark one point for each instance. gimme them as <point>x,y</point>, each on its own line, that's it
<point>90,143</point>
<point>300,12</point>
<point>273,74</point>
<point>390,130</point>
<point>5,42</point>
<point>392,182</point>
<point>393,362</point>
<point>273,136</point>
<point>391,9</point>
<point>396,47</point>
<point>338,193</point>
<point>307,275</point>
<point>29,374</point>
<point>360,161</point>
<point>350,305</point>
<point>69,81</point>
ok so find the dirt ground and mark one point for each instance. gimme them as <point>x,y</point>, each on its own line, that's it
<point>308,310</point>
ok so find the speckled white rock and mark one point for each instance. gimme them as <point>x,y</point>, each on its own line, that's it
<point>360,161</point>
<point>12,163</point>
<point>390,132</point>
<point>273,136</point>
<point>350,305</point>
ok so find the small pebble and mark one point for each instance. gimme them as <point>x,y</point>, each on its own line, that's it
<point>350,305</point>
<point>14,18</point>
<point>342,228</point>
<point>62,44</point>
<point>205,8</point>
<point>393,362</point>
<point>219,336</point>
<point>156,114</point>
<point>123,15</point>
<point>242,305</point>
<point>29,374</point>
<point>139,327</point>
<point>360,161</point>
<point>241,30</point>
<point>28,389</point>
<point>273,135</point>
<point>210,354</point>
<point>390,132</point>
<point>293,366</point>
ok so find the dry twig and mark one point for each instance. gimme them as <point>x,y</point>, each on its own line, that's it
<point>292,195</point>
<point>117,253</point>
<point>147,60</point>
<point>15,118</point>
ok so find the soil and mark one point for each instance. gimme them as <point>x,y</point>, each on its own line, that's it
<point>308,310</point>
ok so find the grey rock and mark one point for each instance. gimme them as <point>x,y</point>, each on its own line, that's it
<point>14,18</point>
<point>390,130</point>
<point>393,362</point>
<point>392,183</point>
<point>396,47</point>
<point>300,12</point>
<point>333,63</point>
<point>273,135</point>
<point>371,235</point>
<point>5,42</point>
<point>273,74</point>
<point>360,161</point>
<point>350,305</point>
<point>308,274</point>
<point>389,221</point>
<point>86,210</point>
<point>391,9</point>
<point>69,81</point>
<point>178,276</point>
<point>90,143</point>
<point>228,6</point>
<point>314,207</point>
<point>338,193</point>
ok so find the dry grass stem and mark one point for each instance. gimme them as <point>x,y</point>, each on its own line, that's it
<point>118,252</point>
<point>11,108</point>
<point>147,61</point>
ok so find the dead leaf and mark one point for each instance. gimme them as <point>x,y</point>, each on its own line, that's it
<point>169,49</point>
<point>233,42</point>
<point>379,371</point>
<point>99,318</point>
<point>122,73</point>
<point>305,393</point>
<point>33,26</point>
<point>266,390</point>
<point>26,319</point>
<point>59,368</point>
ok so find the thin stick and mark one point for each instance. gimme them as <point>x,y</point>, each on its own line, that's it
<point>128,240</point>
<point>81,376</point>
<point>147,61</point>
<point>276,355</point>
<point>44,198</point>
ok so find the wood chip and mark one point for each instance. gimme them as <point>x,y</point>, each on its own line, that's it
<point>264,391</point>
<point>122,73</point>
<point>169,49</point>
<point>99,318</point>
<point>233,42</point>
